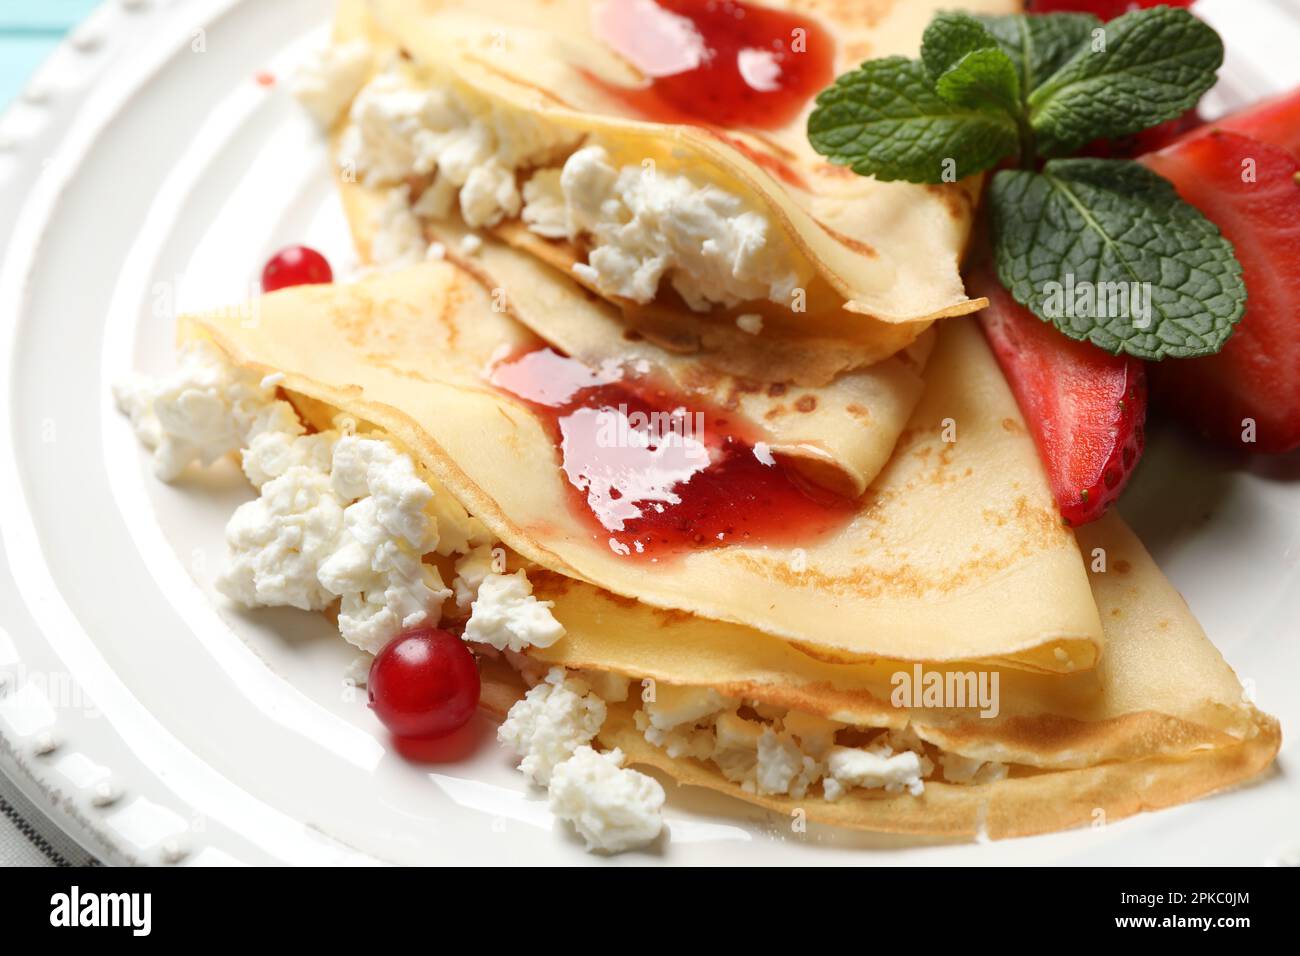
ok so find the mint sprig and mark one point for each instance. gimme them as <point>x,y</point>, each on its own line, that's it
<point>885,119</point>
<point>1039,46</point>
<point>1155,66</point>
<point>989,89</point>
<point>1162,280</point>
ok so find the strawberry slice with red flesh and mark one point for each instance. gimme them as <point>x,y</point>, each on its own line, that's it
<point>1147,140</point>
<point>1275,120</point>
<point>1085,408</point>
<point>1256,375</point>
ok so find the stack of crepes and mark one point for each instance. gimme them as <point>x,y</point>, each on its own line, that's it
<point>935,557</point>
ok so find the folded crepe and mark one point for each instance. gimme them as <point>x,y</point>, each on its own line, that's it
<point>873,262</point>
<point>1161,720</point>
<point>955,552</point>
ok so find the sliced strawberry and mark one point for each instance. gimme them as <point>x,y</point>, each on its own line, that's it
<point>1275,120</point>
<point>1085,408</point>
<point>1146,141</point>
<point>1256,376</point>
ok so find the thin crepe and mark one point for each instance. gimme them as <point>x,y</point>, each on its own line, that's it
<point>921,230</point>
<point>956,552</point>
<point>839,433</point>
<point>890,250</point>
<point>805,349</point>
<point>1161,720</point>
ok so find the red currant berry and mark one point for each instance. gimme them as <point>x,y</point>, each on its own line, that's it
<point>295,265</point>
<point>424,683</point>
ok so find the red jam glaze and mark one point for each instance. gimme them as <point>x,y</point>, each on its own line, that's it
<point>718,62</point>
<point>654,477</point>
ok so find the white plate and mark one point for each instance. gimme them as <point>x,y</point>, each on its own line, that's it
<point>145,171</point>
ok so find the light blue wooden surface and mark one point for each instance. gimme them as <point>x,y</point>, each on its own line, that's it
<point>29,30</point>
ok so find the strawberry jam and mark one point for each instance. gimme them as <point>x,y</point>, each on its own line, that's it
<point>653,477</point>
<point>717,62</point>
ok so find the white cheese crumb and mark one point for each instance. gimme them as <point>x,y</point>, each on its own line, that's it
<point>399,127</point>
<point>471,570</point>
<point>544,211</point>
<point>470,244</point>
<point>872,768</point>
<point>489,194</point>
<point>202,411</point>
<point>815,734</point>
<point>506,615</point>
<point>763,452</point>
<point>783,753</point>
<point>613,808</point>
<point>436,251</point>
<point>328,78</point>
<point>278,542</point>
<point>750,322</point>
<point>553,720</point>
<point>342,517</point>
<point>675,704</point>
<point>645,225</point>
<point>612,688</point>
<point>271,454</point>
<point>736,747</point>
<point>782,768</point>
<point>338,516</point>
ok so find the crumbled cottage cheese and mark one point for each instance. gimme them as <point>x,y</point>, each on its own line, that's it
<point>782,768</point>
<point>785,753</point>
<point>271,454</point>
<point>612,808</point>
<point>874,767</point>
<point>435,147</point>
<point>544,208</point>
<point>338,516</point>
<point>608,686</point>
<point>553,720</point>
<point>399,129</point>
<point>202,411</point>
<point>551,729</point>
<point>508,617</point>
<point>328,78</point>
<point>278,543</point>
<point>644,225</point>
<point>471,571</point>
<point>353,527</point>
<point>674,705</point>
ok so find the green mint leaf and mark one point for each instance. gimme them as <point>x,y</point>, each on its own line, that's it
<point>1040,45</point>
<point>1107,252</point>
<point>949,38</point>
<point>984,78</point>
<point>884,119</point>
<point>1155,65</point>
<point>966,65</point>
